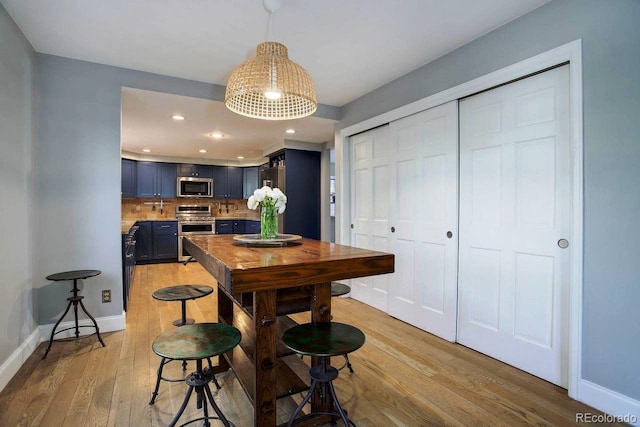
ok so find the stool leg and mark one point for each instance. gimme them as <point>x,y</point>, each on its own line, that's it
<point>332,391</point>
<point>53,331</point>
<point>304,402</point>
<point>182,407</point>
<point>95,324</point>
<point>215,407</point>
<point>346,359</point>
<point>215,380</point>
<point>155,392</point>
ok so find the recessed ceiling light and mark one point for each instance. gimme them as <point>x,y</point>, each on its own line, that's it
<point>203,151</point>
<point>177,117</point>
<point>216,135</point>
<point>290,131</point>
<point>146,150</point>
<point>240,157</point>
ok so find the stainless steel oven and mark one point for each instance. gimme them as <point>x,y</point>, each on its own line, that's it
<point>193,220</point>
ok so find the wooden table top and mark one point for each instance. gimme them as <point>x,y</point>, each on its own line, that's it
<point>240,268</point>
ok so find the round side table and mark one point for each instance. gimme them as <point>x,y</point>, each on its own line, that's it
<point>182,293</point>
<point>76,299</point>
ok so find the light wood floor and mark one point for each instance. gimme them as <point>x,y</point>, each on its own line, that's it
<point>403,376</point>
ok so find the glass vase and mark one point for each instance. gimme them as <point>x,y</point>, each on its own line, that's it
<point>269,222</point>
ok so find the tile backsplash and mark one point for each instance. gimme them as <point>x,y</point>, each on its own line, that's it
<point>141,209</point>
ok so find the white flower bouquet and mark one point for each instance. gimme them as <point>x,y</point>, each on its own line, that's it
<point>272,202</point>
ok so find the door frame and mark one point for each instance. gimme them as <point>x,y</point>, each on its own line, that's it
<point>570,52</point>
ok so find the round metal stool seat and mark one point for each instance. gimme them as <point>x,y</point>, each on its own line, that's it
<point>182,293</point>
<point>323,340</point>
<point>197,342</point>
<point>339,289</point>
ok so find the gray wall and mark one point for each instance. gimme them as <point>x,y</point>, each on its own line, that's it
<point>78,185</point>
<point>17,201</point>
<point>610,32</point>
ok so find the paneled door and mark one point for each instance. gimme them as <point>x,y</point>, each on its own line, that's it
<point>370,208</point>
<point>404,183</point>
<point>424,219</point>
<point>515,191</point>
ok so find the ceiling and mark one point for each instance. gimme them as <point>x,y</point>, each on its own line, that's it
<point>349,48</point>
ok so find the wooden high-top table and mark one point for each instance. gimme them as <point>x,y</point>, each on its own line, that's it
<point>258,287</point>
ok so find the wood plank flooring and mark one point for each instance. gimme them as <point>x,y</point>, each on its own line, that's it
<point>403,376</point>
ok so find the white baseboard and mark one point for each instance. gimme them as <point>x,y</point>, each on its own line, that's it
<point>18,357</point>
<point>610,402</point>
<point>43,332</point>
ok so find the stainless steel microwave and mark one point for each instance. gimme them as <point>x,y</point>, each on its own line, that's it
<point>194,187</point>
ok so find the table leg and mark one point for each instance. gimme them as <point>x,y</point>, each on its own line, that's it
<point>264,316</point>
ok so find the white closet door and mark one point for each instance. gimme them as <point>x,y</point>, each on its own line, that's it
<point>514,210</point>
<point>424,219</point>
<point>370,209</point>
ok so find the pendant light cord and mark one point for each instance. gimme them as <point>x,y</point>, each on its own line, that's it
<point>270,27</point>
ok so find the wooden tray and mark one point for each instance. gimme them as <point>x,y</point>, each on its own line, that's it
<point>257,240</point>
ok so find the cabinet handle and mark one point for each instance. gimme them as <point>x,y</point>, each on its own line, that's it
<point>393,229</point>
<point>165,226</point>
<point>449,234</point>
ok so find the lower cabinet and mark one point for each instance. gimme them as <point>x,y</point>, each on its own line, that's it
<point>128,263</point>
<point>252,227</point>
<point>165,240</point>
<point>237,226</point>
<point>157,241</point>
<point>224,226</point>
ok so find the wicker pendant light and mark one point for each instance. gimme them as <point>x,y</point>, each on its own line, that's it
<point>271,86</point>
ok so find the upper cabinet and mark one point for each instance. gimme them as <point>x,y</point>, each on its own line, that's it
<point>128,176</point>
<point>156,179</point>
<point>250,181</point>
<point>200,171</point>
<point>227,182</point>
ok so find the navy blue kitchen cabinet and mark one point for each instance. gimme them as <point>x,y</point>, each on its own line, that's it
<point>128,175</point>
<point>144,242</point>
<point>165,240</point>
<point>302,179</point>
<point>239,226</point>
<point>224,226</point>
<point>252,227</point>
<point>250,181</point>
<point>200,171</point>
<point>128,262</point>
<point>156,180</point>
<point>156,241</point>
<point>227,182</point>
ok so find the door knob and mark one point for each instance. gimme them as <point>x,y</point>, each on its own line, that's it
<point>563,243</point>
<point>352,226</point>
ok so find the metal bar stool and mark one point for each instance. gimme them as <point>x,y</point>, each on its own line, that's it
<point>74,300</point>
<point>181,293</point>
<point>323,340</point>
<point>197,342</point>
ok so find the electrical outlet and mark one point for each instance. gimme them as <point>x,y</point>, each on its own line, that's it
<point>106,295</point>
